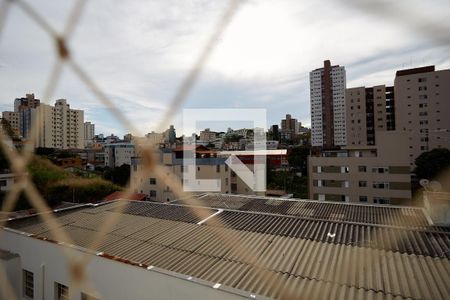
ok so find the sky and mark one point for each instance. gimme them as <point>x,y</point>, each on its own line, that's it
<point>139,52</point>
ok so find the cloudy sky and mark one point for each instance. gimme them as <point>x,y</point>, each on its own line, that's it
<point>138,52</point>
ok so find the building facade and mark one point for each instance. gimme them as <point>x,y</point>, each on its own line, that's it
<point>207,135</point>
<point>422,97</point>
<point>26,107</point>
<point>13,119</point>
<point>368,174</point>
<point>117,154</point>
<point>327,92</point>
<point>59,126</point>
<point>368,109</point>
<point>89,133</point>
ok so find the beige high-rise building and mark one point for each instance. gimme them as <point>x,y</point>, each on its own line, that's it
<point>89,132</point>
<point>422,109</point>
<point>14,120</point>
<point>370,174</point>
<point>368,110</point>
<point>59,126</point>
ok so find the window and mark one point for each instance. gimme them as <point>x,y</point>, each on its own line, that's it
<point>198,168</point>
<point>362,198</point>
<point>363,184</point>
<point>362,169</point>
<point>380,200</point>
<point>61,291</point>
<point>2,182</point>
<point>226,168</point>
<point>218,168</point>
<point>85,296</point>
<point>152,193</point>
<point>381,185</point>
<point>380,170</point>
<point>28,284</point>
<point>152,180</point>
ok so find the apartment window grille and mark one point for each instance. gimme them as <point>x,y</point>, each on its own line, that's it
<point>28,284</point>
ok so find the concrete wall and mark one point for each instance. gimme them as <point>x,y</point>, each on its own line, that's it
<point>109,279</point>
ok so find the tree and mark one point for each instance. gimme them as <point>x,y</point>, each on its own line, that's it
<point>118,175</point>
<point>298,157</point>
<point>431,164</point>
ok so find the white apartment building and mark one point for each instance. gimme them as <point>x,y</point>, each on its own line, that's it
<point>89,132</point>
<point>327,92</point>
<point>59,126</point>
<point>117,154</point>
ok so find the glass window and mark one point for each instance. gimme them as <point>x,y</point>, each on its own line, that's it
<point>61,291</point>
<point>28,284</point>
<point>362,198</point>
<point>152,193</point>
<point>152,180</point>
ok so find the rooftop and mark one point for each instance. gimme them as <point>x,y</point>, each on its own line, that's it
<point>271,247</point>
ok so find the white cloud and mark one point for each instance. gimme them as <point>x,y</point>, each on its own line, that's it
<point>139,51</point>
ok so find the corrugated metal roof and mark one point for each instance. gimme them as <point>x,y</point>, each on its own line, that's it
<point>279,257</point>
<point>342,212</point>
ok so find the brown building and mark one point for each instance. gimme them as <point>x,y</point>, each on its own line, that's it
<point>372,174</point>
<point>368,110</point>
<point>423,106</point>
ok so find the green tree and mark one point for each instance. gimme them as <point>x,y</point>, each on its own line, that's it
<point>431,164</point>
<point>118,175</point>
<point>298,158</point>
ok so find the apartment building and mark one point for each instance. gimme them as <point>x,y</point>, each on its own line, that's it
<point>370,174</point>
<point>422,100</point>
<point>155,137</point>
<point>89,133</point>
<point>59,126</point>
<point>207,135</point>
<point>13,119</point>
<point>25,107</point>
<point>368,109</point>
<point>208,166</point>
<point>327,91</point>
<point>117,154</point>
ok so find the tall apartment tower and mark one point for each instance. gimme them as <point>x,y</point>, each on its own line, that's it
<point>290,124</point>
<point>89,132</point>
<point>26,107</point>
<point>423,106</point>
<point>368,109</point>
<point>327,90</point>
<point>59,126</point>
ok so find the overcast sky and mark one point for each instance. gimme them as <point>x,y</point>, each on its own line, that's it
<point>138,52</point>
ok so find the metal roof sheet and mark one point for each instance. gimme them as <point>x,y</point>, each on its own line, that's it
<point>274,256</point>
<point>343,212</point>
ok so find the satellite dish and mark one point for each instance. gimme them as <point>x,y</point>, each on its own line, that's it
<point>424,183</point>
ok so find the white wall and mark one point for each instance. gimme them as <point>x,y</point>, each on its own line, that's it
<point>112,279</point>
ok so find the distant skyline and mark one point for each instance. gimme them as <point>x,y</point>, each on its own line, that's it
<point>138,52</point>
